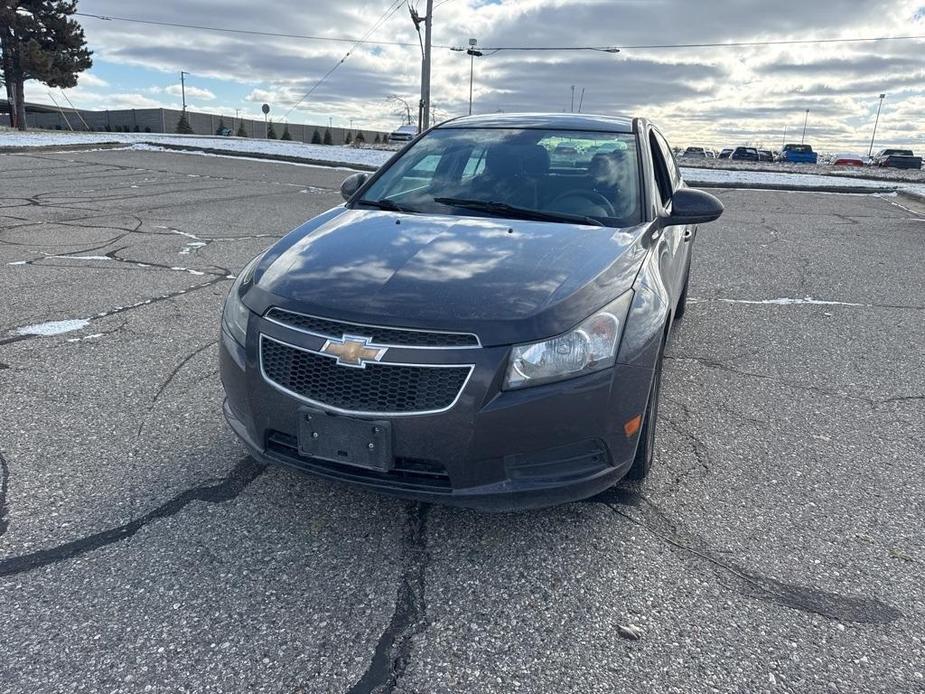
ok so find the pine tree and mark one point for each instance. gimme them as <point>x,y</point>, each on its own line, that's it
<point>271,133</point>
<point>183,126</point>
<point>377,140</point>
<point>241,131</point>
<point>286,135</point>
<point>39,41</point>
<point>347,139</point>
<point>316,137</point>
<point>221,126</point>
<point>327,137</point>
<point>360,139</point>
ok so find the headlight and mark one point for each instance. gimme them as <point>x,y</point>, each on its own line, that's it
<point>235,313</point>
<point>591,346</point>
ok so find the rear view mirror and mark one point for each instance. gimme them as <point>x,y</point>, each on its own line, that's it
<point>692,206</point>
<point>352,184</point>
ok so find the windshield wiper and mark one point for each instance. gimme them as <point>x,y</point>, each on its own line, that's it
<point>385,204</point>
<point>522,212</point>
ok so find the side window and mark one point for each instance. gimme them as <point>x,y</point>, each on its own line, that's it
<point>426,167</point>
<point>670,162</point>
<point>662,177</point>
<point>475,164</point>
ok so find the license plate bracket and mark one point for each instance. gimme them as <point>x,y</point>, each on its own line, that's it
<point>359,442</point>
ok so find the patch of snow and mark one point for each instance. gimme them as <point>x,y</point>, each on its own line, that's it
<point>785,301</point>
<point>19,262</point>
<point>54,327</point>
<point>88,337</point>
<point>80,257</point>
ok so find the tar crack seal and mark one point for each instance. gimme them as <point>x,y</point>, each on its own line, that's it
<point>393,651</point>
<point>807,599</point>
<point>243,473</point>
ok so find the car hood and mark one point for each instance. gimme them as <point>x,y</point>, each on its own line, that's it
<point>505,280</point>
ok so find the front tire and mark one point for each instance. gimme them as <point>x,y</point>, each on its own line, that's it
<point>645,449</point>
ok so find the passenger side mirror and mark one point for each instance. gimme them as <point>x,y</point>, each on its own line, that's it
<point>352,184</point>
<point>692,206</point>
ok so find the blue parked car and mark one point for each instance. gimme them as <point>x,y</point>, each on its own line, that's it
<point>798,154</point>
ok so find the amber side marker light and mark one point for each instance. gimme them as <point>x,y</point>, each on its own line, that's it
<point>632,426</point>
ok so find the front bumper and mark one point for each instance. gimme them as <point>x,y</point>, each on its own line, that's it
<point>493,449</point>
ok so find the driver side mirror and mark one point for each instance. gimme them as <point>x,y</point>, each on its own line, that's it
<point>352,184</point>
<point>692,206</point>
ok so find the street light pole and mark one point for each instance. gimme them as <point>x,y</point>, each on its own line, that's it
<point>805,118</point>
<point>877,120</point>
<point>472,53</point>
<point>183,88</point>
<point>572,107</point>
<point>784,141</point>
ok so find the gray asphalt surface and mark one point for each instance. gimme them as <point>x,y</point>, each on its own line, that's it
<point>778,545</point>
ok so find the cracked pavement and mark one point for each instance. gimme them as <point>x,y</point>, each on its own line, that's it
<point>778,545</point>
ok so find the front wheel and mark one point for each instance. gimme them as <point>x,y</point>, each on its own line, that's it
<point>645,449</point>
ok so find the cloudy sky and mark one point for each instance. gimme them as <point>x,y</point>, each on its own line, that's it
<point>710,96</point>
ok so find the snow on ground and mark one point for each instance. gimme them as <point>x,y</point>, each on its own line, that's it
<point>697,176</point>
<point>54,327</point>
<point>338,154</point>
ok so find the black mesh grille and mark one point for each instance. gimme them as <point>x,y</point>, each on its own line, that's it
<point>377,388</point>
<point>378,335</point>
<point>407,473</point>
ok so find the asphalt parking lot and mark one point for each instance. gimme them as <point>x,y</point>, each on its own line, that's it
<point>778,545</point>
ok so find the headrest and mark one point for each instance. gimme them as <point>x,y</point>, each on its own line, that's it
<point>536,160</point>
<point>504,160</point>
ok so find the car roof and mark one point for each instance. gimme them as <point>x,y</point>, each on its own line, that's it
<point>551,121</point>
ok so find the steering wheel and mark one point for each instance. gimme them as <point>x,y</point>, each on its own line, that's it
<point>591,196</point>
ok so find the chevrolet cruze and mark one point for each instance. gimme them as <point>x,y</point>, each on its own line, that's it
<point>481,323</point>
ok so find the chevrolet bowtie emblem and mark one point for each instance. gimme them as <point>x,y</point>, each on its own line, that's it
<point>353,351</point>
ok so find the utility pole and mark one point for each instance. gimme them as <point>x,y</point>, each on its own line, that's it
<point>877,120</point>
<point>424,103</point>
<point>572,108</point>
<point>183,89</point>
<point>805,118</point>
<point>784,141</point>
<point>581,99</point>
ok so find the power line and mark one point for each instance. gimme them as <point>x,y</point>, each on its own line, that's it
<point>727,44</point>
<point>229,30</point>
<point>384,17</point>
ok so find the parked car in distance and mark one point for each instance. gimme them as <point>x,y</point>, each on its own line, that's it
<point>410,342</point>
<point>798,154</point>
<point>847,159</point>
<point>765,155</point>
<point>223,132</point>
<point>744,154</point>
<point>710,154</point>
<point>724,154</point>
<point>694,153</point>
<point>897,159</point>
<point>404,133</point>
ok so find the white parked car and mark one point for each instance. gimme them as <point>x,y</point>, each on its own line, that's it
<point>405,133</point>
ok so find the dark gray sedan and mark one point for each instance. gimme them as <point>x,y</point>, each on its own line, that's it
<point>481,323</point>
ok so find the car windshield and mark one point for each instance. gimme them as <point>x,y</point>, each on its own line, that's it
<point>547,175</point>
<point>798,148</point>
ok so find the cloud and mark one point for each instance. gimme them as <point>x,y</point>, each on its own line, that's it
<point>88,79</point>
<point>191,92</point>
